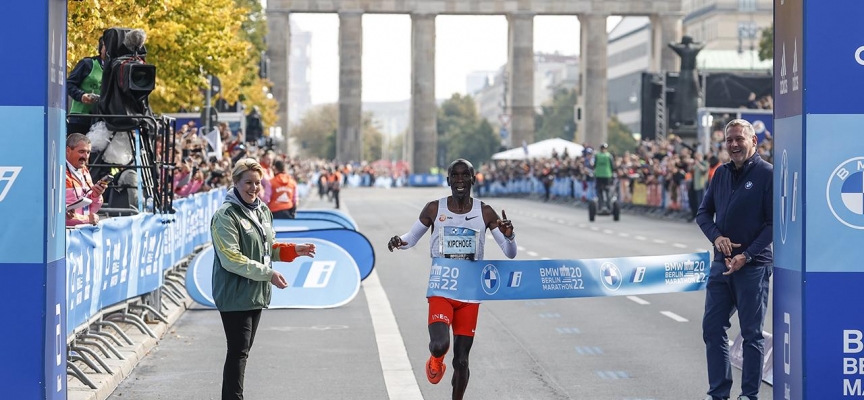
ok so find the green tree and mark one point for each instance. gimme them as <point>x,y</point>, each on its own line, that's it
<point>766,44</point>
<point>620,137</point>
<point>373,139</point>
<point>462,133</point>
<point>186,40</point>
<point>556,118</point>
<point>316,134</point>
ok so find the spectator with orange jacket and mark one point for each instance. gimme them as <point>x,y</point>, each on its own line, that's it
<point>283,200</point>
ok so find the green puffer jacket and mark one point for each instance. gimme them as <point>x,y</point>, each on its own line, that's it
<point>241,280</point>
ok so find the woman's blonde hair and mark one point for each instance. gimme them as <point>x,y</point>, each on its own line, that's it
<point>245,164</point>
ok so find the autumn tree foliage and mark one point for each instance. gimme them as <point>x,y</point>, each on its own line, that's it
<point>186,41</point>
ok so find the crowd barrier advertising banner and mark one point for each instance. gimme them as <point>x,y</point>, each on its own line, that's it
<point>334,215</point>
<point>118,259</point>
<point>355,243</point>
<point>557,279</point>
<point>331,279</point>
<point>32,113</point>
<point>291,225</point>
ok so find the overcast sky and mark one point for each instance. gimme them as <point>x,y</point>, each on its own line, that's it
<point>463,44</point>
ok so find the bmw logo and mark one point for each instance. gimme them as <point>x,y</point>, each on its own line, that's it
<point>845,193</point>
<point>491,279</point>
<point>610,275</point>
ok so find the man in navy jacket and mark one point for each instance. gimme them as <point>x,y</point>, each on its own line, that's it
<point>735,216</point>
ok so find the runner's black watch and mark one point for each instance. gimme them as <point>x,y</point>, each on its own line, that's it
<point>747,257</point>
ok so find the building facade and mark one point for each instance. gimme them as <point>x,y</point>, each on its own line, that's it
<point>730,30</point>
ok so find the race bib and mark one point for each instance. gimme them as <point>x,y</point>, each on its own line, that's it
<point>458,242</point>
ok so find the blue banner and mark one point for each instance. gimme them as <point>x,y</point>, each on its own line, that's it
<point>554,279</point>
<point>329,280</point>
<point>333,215</point>
<point>114,261</point>
<point>355,243</point>
<point>291,225</point>
<point>426,180</point>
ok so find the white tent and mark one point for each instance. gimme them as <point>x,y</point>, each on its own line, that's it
<point>541,149</point>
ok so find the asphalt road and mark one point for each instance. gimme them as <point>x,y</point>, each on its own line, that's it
<point>375,347</point>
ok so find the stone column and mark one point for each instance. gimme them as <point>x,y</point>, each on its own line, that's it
<point>279,52</point>
<point>665,28</point>
<point>593,97</point>
<point>521,68</point>
<point>423,135</point>
<point>349,143</point>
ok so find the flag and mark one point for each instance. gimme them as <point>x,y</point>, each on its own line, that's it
<point>215,140</point>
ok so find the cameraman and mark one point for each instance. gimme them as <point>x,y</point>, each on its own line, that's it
<point>83,85</point>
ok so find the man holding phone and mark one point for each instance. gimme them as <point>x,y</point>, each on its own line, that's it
<point>83,197</point>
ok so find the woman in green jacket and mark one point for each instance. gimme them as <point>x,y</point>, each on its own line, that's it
<point>244,244</point>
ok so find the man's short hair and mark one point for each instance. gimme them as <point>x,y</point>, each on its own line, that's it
<point>74,139</point>
<point>743,123</point>
<point>460,161</point>
<point>279,166</point>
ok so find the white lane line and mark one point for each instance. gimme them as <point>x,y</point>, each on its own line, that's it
<point>669,314</point>
<point>398,375</point>
<point>520,248</point>
<point>640,237</point>
<point>638,300</point>
<point>532,254</point>
<point>679,245</point>
<point>594,228</point>
<point>545,258</point>
<point>623,234</point>
<point>659,241</point>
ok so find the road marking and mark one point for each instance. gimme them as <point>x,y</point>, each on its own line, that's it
<point>520,248</point>
<point>532,254</point>
<point>608,231</point>
<point>623,234</point>
<point>544,315</point>
<point>567,330</point>
<point>589,350</point>
<point>640,238</point>
<point>674,316</point>
<point>398,375</point>
<point>545,258</point>
<point>700,250</point>
<point>659,241</point>
<point>679,245</point>
<point>561,221</point>
<point>594,228</point>
<point>638,300</point>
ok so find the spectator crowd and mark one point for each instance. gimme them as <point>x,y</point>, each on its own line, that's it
<point>666,173</point>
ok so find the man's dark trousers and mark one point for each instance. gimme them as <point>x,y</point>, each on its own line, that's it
<point>747,291</point>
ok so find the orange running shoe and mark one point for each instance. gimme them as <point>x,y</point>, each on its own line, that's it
<point>435,369</point>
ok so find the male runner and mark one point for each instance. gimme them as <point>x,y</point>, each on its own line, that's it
<point>458,210</point>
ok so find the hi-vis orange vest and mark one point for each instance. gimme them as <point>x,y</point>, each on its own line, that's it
<point>284,193</point>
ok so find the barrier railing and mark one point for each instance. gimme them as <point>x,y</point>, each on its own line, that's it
<point>120,270</point>
<point>652,195</point>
